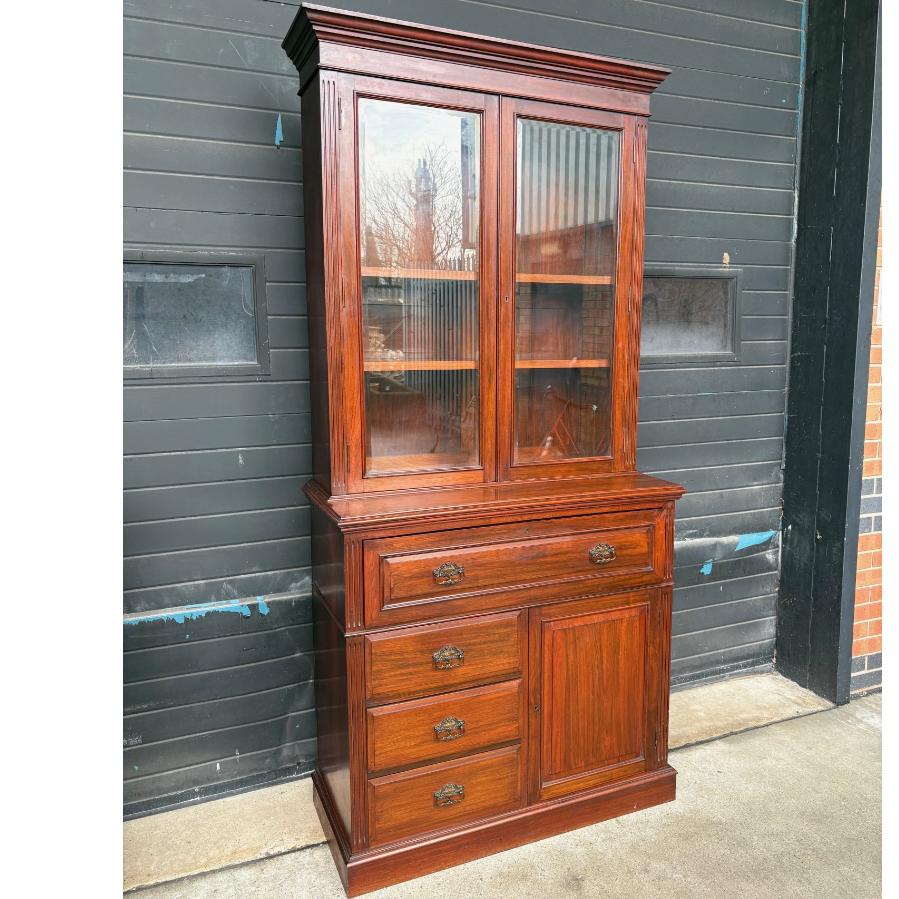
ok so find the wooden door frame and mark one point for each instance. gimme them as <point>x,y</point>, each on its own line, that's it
<point>628,281</point>
<point>352,87</point>
<point>656,600</point>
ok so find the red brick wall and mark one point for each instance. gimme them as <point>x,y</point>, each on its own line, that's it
<point>867,655</point>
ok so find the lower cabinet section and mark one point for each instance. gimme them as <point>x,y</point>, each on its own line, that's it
<point>445,795</point>
<point>474,728</point>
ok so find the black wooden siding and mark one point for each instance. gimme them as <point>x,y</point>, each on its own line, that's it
<point>213,471</point>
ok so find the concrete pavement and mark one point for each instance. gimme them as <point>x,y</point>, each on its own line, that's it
<point>786,810</point>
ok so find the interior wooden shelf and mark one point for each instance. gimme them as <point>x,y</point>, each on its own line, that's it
<point>423,462</point>
<point>563,363</point>
<point>528,278</point>
<point>418,273</point>
<point>449,275</point>
<point>528,455</point>
<point>439,365</point>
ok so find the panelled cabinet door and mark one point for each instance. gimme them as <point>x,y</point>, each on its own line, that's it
<point>419,244</point>
<point>567,376</point>
<point>595,668</point>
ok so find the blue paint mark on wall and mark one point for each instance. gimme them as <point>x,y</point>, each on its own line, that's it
<point>754,539</point>
<point>279,134</point>
<point>263,605</point>
<point>200,610</point>
<point>707,568</point>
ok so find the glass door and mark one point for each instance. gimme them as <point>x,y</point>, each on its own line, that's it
<point>561,274</point>
<point>426,285</point>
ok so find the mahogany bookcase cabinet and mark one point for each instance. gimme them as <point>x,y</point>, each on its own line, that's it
<point>491,576</point>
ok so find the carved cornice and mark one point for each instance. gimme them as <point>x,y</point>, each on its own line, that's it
<point>319,24</point>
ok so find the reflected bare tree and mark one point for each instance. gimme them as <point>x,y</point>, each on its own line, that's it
<point>413,217</point>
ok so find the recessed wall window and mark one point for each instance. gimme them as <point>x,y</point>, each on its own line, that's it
<point>691,315</point>
<point>191,314</point>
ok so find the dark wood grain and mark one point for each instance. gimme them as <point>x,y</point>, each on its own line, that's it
<point>320,35</point>
<point>403,735</point>
<point>328,563</point>
<point>404,805</point>
<point>414,858</point>
<point>593,686</point>
<point>332,714</point>
<point>547,702</point>
<point>313,202</point>
<point>502,565</point>
<point>400,663</point>
<point>411,511</point>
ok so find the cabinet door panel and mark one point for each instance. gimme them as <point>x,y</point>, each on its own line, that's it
<point>567,262</point>
<point>422,285</point>
<point>595,691</point>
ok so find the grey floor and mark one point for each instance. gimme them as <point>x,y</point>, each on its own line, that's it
<point>788,810</point>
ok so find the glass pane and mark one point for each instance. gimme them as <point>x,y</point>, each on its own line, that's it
<point>175,314</point>
<point>566,229</point>
<point>686,316</point>
<point>419,174</point>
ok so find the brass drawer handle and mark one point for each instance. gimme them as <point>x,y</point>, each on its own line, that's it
<point>448,573</point>
<point>602,553</point>
<point>450,728</point>
<point>449,657</point>
<point>449,794</point>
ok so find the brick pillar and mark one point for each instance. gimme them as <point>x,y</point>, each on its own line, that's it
<point>867,655</point>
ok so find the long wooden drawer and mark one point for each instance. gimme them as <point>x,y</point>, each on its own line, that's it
<point>439,574</point>
<point>428,730</point>
<point>440,796</point>
<point>437,658</point>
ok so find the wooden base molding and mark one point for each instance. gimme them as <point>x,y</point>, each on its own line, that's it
<point>370,870</point>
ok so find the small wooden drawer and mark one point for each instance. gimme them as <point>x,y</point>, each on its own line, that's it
<point>437,658</point>
<point>425,575</point>
<point>440,796</point>
<point>428,730</point>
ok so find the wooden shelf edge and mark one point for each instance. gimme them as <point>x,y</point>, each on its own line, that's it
<point>404,365</point>
<point>421,463</point>
<point>369,271</point>
<point>528,278</point>
<point>418,274</point>
<point>562,363</point>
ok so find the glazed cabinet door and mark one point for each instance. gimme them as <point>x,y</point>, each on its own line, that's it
<point>419,241</point>
<point>595,697</point>
<point>569,267</point>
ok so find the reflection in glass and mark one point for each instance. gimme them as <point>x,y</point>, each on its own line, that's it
<point>566,229</point>
<point>177,314</point>
<point>419,175</point>
<point>687,316</point>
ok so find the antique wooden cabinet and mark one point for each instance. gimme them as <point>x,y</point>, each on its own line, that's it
<point>491,577</point>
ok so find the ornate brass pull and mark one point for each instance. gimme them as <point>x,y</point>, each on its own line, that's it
<point>602,553</point>
<point>449,729</point>
<point>449,794</point>
<point>449,573</point>
<point>449,657</point>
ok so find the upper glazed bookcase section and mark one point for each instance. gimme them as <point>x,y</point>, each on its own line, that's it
<point>319,38</point>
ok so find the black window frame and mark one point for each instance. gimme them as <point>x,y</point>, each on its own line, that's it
<point>219,370</point>
<point>700,271</point>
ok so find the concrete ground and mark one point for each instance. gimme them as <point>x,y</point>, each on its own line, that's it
<point>788,810</point>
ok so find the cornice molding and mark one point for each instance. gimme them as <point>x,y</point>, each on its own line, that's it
<point>320,24</point>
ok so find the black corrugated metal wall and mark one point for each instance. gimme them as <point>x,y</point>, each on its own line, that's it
<point>221,696</point>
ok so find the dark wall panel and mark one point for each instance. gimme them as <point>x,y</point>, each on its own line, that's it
<point>213,471</point>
